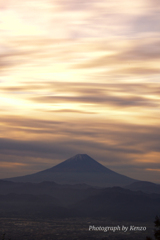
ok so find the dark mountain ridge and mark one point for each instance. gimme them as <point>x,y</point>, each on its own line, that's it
<point>65,194</point>
<point>119,204</point>
<point>144,186</point>
<point>114,203</point>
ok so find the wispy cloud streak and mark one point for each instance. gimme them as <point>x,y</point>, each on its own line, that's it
<point>79,76</point>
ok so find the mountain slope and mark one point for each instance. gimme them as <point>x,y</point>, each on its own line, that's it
<point>76,170</point>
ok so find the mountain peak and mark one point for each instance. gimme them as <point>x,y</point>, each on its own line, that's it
<point>80,163</point>
<point>80,157</point>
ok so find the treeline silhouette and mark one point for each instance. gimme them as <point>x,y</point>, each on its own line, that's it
<point>3,237</point>
<point>156,230</point>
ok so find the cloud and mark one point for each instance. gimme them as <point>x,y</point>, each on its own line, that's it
<point>137,52</point>
<point>80,77</point>
<point>144,49</point>
<point>147,23</point>
<point>86,89</point>
<point>79,5</point>
<point>139,71</point>
<point>44,143</point>
<point>97,100</point>
<point>152,169</point>
<point>71,111</point>
<point>121,138</point>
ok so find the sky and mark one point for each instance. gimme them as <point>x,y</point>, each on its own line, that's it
<point>80,77</point>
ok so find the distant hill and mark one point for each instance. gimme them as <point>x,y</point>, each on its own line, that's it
<point>30,206</point>
<point>144,186</point>
<point>77,170</point>
<point>64,194</point>
<point>119,204</point>
<point>50,200</point>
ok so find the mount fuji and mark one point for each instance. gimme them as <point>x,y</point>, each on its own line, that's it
<point>78,170</point>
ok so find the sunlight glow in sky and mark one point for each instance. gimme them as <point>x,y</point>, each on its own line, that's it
<point>80,77</point>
